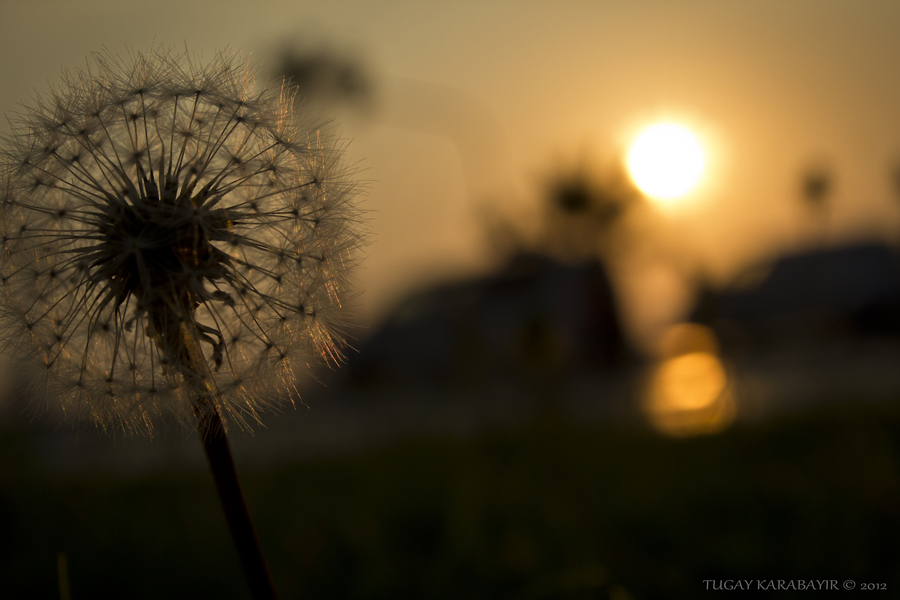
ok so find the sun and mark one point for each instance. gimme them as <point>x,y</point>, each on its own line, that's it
<point>665,161</point>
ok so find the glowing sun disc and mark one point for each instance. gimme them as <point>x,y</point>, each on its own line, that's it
<point>665,161</point>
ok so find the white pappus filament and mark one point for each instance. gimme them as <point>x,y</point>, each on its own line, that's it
<point>149,198</point>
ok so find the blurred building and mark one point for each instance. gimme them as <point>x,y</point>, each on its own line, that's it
<point>818,325</point>
<point>535,320</point>
<point>819,295</point>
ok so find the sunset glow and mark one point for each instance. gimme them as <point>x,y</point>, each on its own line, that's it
<point>665,161</point>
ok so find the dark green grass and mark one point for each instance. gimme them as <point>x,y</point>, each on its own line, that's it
<point>550,511</point>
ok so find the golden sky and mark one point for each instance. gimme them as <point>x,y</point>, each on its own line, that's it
<point>475,102</point>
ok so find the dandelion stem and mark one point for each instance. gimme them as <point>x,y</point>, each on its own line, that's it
<point>214,436</point>
<point>62,571</point>
<point>221,465</point>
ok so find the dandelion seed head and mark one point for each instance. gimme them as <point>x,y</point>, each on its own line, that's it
<point>145,198</point>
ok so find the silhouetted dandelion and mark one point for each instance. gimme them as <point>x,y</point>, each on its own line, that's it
<point>174,245</point>
<point>166,225</point>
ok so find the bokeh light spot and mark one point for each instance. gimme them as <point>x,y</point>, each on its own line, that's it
<point>688,390</point>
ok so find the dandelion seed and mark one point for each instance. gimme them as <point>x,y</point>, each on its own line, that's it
<point>168,228</point>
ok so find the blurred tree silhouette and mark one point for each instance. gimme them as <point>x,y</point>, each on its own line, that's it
<point>583,208</point>
<point>544,316</point>
<point>326,77</point>
<point>895,177</point>
<point>817,185</point>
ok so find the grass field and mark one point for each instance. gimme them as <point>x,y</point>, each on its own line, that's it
<point>550,510</point>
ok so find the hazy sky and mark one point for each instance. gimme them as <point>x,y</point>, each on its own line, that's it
<point>476,102</point>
